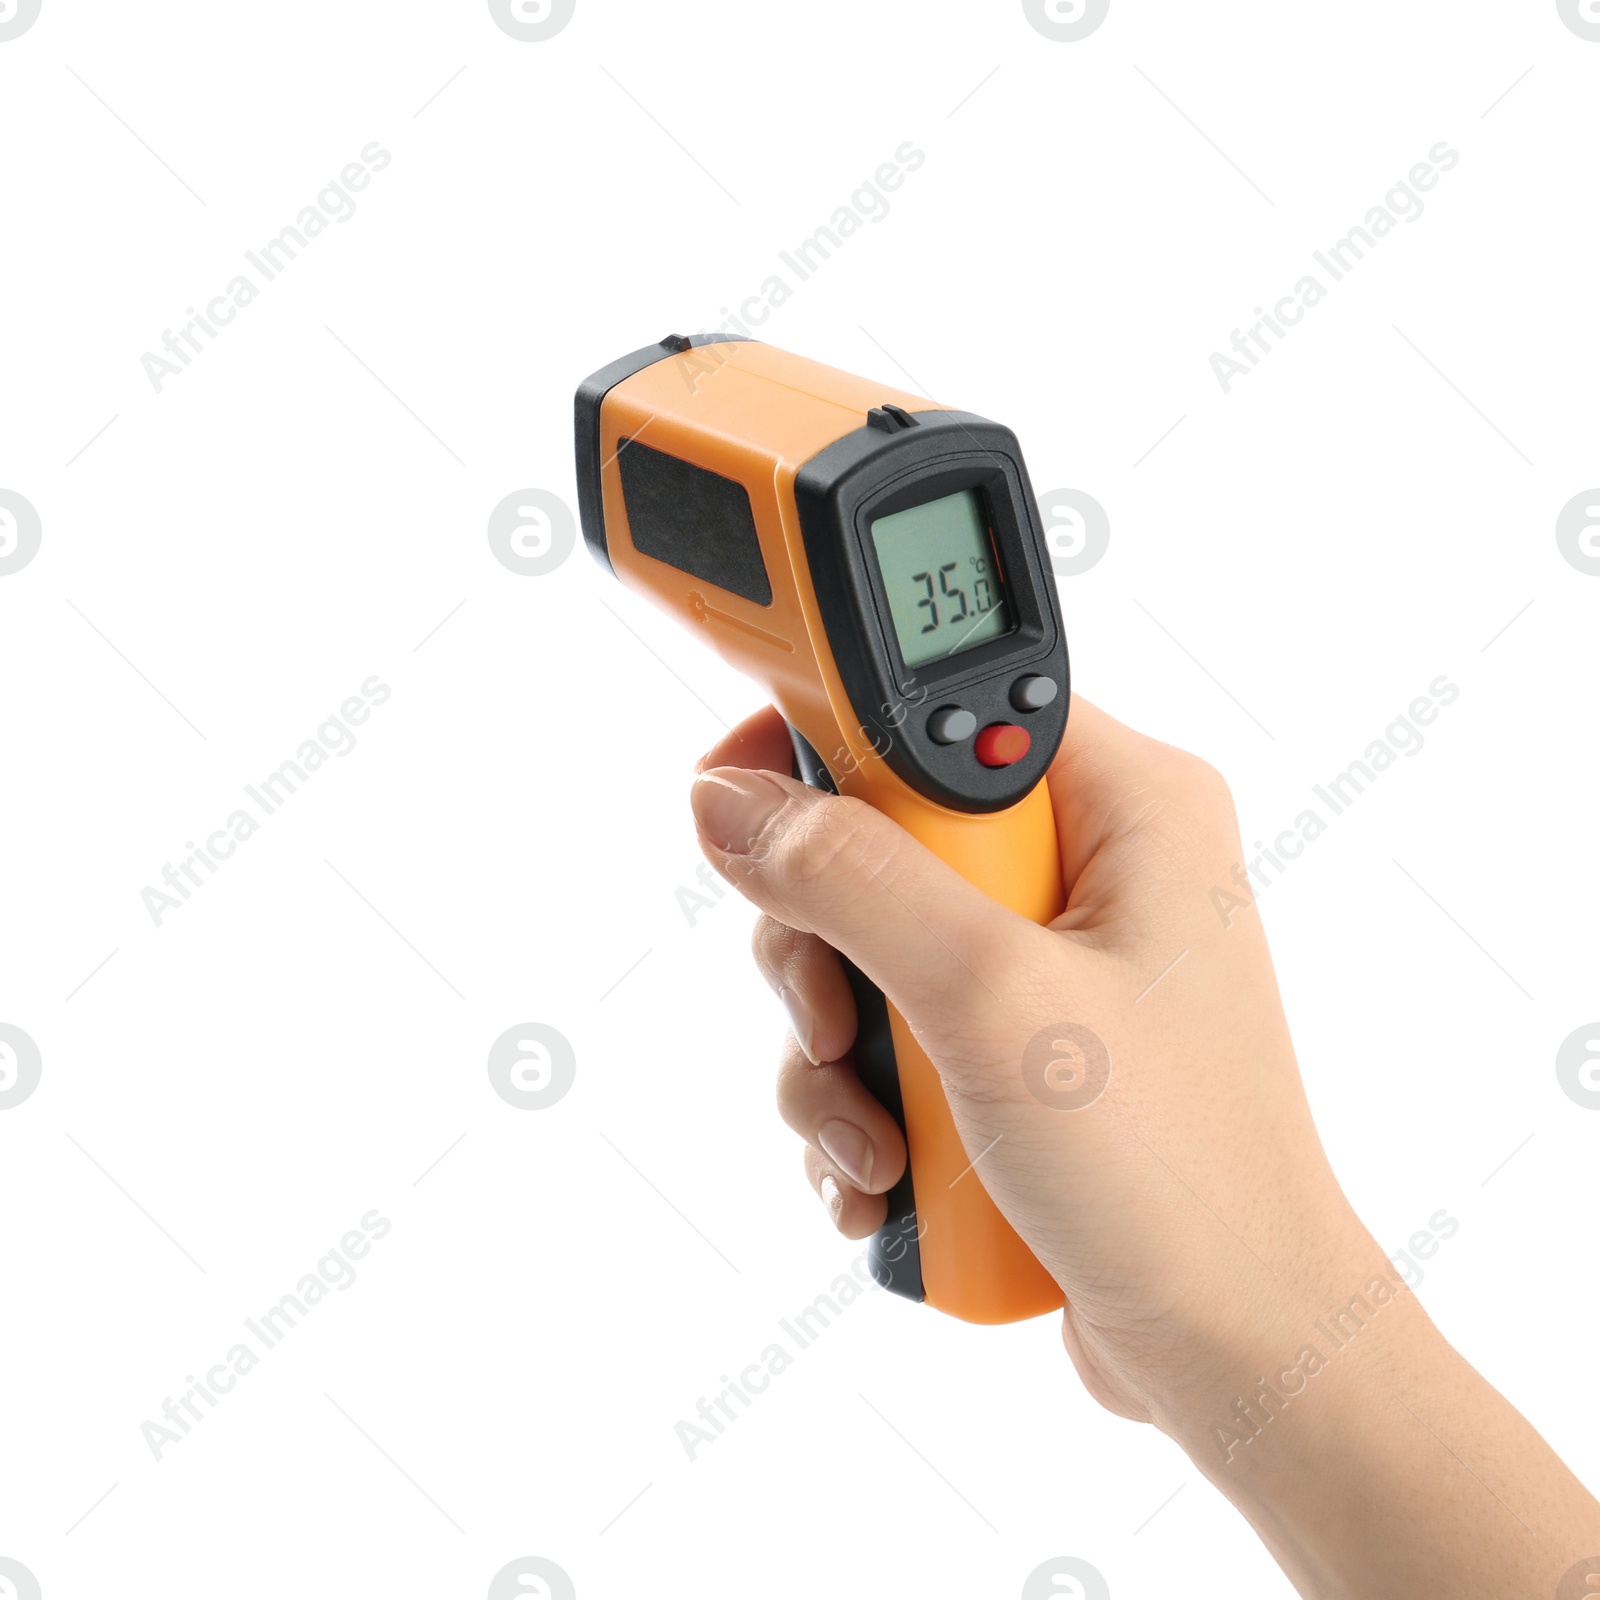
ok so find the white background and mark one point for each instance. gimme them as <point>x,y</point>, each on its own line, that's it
<point>302,508</point>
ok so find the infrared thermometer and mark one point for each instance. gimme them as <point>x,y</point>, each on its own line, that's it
<point>875,562</point>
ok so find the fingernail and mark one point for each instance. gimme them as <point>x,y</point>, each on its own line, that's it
<point>832,1198</point>
<point>848,1148</point>
<point>732,815</point>
<point>802,1022</point>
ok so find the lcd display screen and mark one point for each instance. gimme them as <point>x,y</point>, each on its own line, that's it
<point>943,583</point>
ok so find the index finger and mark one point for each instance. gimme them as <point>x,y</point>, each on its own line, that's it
<point>760,743</point>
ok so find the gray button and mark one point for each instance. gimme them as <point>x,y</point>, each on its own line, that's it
<point>951,724</point>
<point>1033,693</point>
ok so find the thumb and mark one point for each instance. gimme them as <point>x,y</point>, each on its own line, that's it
<point>941,950</point>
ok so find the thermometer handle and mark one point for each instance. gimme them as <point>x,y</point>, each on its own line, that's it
<point>943,1239</point>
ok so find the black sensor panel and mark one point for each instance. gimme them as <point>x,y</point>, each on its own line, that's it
<point>693,519</point>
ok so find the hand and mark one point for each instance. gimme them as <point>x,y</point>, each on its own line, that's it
<point>1172,1211</point>
<point>1189,1213</point>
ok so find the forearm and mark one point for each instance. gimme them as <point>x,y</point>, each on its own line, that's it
<point>1373,1461</point>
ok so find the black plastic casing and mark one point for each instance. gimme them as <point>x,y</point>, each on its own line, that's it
<point>871,473</point>
<point>894,1253</point>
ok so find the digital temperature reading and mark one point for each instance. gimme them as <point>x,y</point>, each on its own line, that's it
<point>939,572</point>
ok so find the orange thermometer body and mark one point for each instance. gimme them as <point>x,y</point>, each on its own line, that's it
<point>875,562</point>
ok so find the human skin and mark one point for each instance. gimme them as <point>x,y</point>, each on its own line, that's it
<point>1189,1214</point>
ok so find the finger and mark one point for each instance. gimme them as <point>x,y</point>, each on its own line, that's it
<point>835,867</point>
<point>830,1108</point>
<point>809,979</point>
<point>1094,780</point>
<point>760,741</point>
<point>1108,785</point>
<point>855,1215</point>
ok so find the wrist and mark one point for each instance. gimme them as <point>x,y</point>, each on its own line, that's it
<point>1373,1461</point>
<point>1294,1372</point>
<point>1243,1342</point>
<point>1259,1337</point>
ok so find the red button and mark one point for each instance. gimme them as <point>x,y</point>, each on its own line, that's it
<point>1001,743</point>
